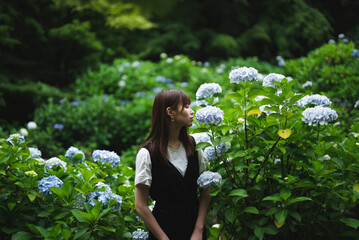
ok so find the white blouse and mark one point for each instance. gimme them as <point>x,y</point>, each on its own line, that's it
<point>177,157</point>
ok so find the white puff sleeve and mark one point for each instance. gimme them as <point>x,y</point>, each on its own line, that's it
<point>202,161</point>
<point>143,168</point>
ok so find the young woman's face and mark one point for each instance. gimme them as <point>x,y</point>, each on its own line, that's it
<point>184,115</point>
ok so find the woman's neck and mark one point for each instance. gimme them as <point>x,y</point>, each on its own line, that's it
<point>174,141</point>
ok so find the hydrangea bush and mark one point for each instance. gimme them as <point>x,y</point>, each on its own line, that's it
<point>60,198</point>
<point>287,173</point>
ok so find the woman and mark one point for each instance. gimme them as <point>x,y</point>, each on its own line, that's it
<point>167,168</point>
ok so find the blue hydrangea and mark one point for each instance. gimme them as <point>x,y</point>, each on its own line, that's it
<point>243,74</point>
<point>106,156</point>
<point>355,53</point>
<point>34,152</point>
<point>47,182</point>
<point>55,162</point>
<point>199,103</point>
<point>281,61</point>
<point>269,80</point>
<point>139,234</point>
<point>319,115</point>
<point>209,153</point>
<point>210,115</point>
<point>356,104</point>
<point>340,36</point>
<point>58,126</point>
<point>105,196</point>
<point>71,152</point>
<point>163,79</point>
<point>315,99</point>
<point>264,107</point>
<point>331,41</point>
<point>201,137</point>
<point>223,147</point>
<point>207,90</point>
<point>208,178</point>
<point>16,139</point>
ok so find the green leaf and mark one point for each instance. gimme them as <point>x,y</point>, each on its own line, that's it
<point>351,222</point>
<point>109,229</point>
<point>128,219</point>
<point>5,159</point>
<point>238,193</point>
<point>61,215</point>
<point>103,213</point>
<point>202,145</point>
<point>281,216</point>
<point>21,236</point>
<point>298,199</point>
<point>11,206</point>
<point>253,210</point>
<point>230,214</point>
<point>286,88</point>
<point>295,98</point>
<point>259,232</point>
<point>295,215</point>
<point>96,210</point>
<point>273,198</point>
<point>285,194</point>
<point>58,192</point>
<point>80,233</point>
<point>66,234</point>
<point>79,216</point>
<point>31,196</point>
<point>282,149</point>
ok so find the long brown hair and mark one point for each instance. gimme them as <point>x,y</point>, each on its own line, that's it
<point>157,141</point>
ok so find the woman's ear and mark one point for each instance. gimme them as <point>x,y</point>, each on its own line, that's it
<point>170,113</point>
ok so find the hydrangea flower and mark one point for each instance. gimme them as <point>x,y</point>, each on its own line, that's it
<point>269,80</point>
<point>31,173</point>
<point>315,99</point>
<point>80,199</point>
<point>58,126</point>
<point>331,41</point>
<point>307,84</point>
<point>223,147</point>
<point>71,152</point>
<point>267,112</point>
<point>208,178</point>
<point>207,90</point>
<point>281,61</point>
<point>106,156</point>
<point>47,182</point>
<point>24,132</point>
<point>319,115</point>
<point>16,139</point>
<point>340,36</point>
<point>356,104</point>
<point>55,162</point>
<point>199,103</point>
<point>210,115</point>
<point>209,153</point>
<point>105,197</point>
<point>355,53</point>
<point>31,125</point>
<point>34,152</point>
<point>201,137</point>
<point>243,74</point>
<point>139,234</point>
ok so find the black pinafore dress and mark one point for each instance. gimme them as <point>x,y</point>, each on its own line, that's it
<point>177,204</point>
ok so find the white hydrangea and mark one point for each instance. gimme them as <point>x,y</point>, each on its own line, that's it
<point>15,139</point>
<point>315,99</point>
<point>210,115</point>
<point>269,80</point>
<point>319,115</point>
<point>24,132</point>
<point>71,152</point>
<point>243,74</point>
<point>307,84</point>
<point>139,234</point>
<point>201,137</point>
<point>356,104</point>
<point>34,152</point>
<point>55,162</point>
<point>31,125</point>
<point>208,178</point>
<point>207,90</point>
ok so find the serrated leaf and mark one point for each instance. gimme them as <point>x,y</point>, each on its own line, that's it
<point>79,216</point>
<point>284,133</point>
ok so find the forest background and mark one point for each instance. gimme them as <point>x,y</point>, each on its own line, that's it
<point>47,44</point>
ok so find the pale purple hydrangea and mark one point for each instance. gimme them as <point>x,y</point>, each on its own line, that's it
<point>15,139</point>
<point>315,99</point>
<point>243,74</point>
<point>269,80</point>
<point>209,153</point>
<point>106,156</point>
<point>71,152</point>
<point>319,115</point>
<point>139,234</point>
<point>47,182</point>
<point>223,147</point>
<point>208,178</point>
<point>207,90</point>
<point>210,115</point>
